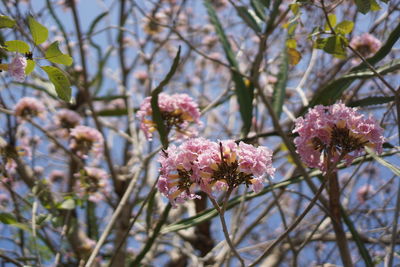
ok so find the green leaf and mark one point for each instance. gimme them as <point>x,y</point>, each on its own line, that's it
<point>157,118</point>
<point>294,56</point>
<point>258,9</point>
<point>364,6</point>
<point>109,97</point>
<point>344,27</point>
<point>8,218</point>
<point>367,73</point>
<point>244,93</point>
<point>335,45</point>
<point>291,43</point>
<point>249,18</point>
<point>332,20</point>
<point>98,79</point>
<point>320,43</point>
<point>332,91</point>
<point>375,6</point>
<point>67,204</point>
<point>30,66</point>
<point>390,166</point>
<point>113,112</point>
<point>38,31</point>
<point>370,101</point>
<point>96,21</point>
<point>6,22</point>
<point>295,8</point>
<point>291,27</point>
<point>17,46</point>
<point>53,54</point>
<point>150,208</point>
<point>60,81</point>
<point>266,3</point>
<point>278,96</point>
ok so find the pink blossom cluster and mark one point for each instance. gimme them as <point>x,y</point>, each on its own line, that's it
<point>210,166</point>
<point>177,110</point>
<point>84,140</point>
<point>17,68</point>
<point>141,76</point>
<point>9,164</point>
<point>29,107</point>
<point>93,182</point>
<point>335,130</point>
<point>65,120</point>
<point>365,192</point>
<point>366,44</point>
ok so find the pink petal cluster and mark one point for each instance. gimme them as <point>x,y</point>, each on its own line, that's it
<point>66,118</point>
<point>364,192</point>
<point>141,76</point>
<point>9,164</point>
<point>93,182</point>
<point>85,139</point>
<point>17,68</point>
<point>366,44</point>
<point>335,129</point>
<point>197,164</point>
<point>178,110</point>
<point>29,107</point>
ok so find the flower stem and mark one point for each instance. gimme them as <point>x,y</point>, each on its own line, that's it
<point>221,212</point>
<point>334,209</point>
<point>334,206</point>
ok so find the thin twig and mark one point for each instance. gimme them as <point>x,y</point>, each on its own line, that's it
<point>8,259</point>
<point>132,223</point>
<point>113,219</point>
<point>292,226</point>
<point>397,210</point>
<point>221,212</point>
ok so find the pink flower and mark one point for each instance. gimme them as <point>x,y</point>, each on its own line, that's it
<point>364,193</point>
<point>17,68</point>
<point>93,182</point>
<point>67,119</point>
<point>179,170</point>
<point>197,163</point>
<point>152,25</point>
<point>141,76</point>
<point>29,107</point>
<point>177,110</point>
<point>366,44</point>
<point>338,130</point>
<point>255,160</point>
<point>241,164</point>
<point>85,139</point>
<point>219,4</point>
<point>210,41</point>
